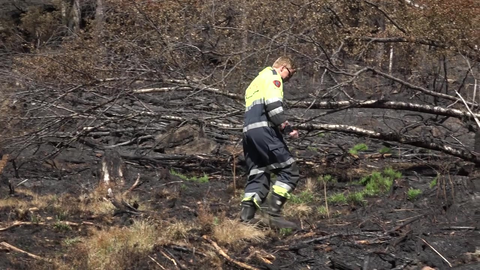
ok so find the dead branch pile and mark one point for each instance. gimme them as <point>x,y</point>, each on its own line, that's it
<point>189,124</point>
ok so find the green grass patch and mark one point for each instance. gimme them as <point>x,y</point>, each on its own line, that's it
<point>385,150</point>
<point>358,148</point>
<point>303,197</point>
<point>61,215</point>
<point>356,198</point>
<point>34,218</point>
<point>61,226</point>
<point>337,198</point>
<point>433,183</point>
<point>413,193</point>
<point>72,241</point>
<point>202,179</point>
<point>322,211</point>
<point>327,178</point>
<point>392,174</point>
<point>379,182</point>
<point>285,232</point>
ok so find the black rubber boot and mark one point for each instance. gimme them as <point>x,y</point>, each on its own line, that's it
<point>275,212</point>
<point>248,211</point>
<point>276,204</point>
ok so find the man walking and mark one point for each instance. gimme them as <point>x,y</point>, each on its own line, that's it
<point>263,145</point>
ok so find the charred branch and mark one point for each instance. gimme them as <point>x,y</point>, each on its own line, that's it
<point>409,140</point>
<point>387,104</point>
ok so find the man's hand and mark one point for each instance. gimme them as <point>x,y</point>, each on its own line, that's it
<point>293,134</point>
<point>287,129</point>
<point>285,125</point>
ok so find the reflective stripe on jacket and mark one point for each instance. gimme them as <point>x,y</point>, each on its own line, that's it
<point>264,101</point>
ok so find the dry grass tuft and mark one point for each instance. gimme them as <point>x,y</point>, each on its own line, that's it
<point>3,162</point>
<point>174,232</point>
<point>96,203</point>
<point>106,249</point>
<point>123,248</point>
<point>59,204</point>
<point>214,260</point>
<point>233,232</point>
<point>298,210</point>
<point>205,216</point>
<point>15,202</point>
<point>29,206</point>
<point>311,185</point>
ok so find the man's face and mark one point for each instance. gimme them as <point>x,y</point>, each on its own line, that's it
<point>286,73</point>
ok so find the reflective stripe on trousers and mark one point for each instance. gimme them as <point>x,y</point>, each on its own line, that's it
<point>271,167</point>
<point>258,184</point>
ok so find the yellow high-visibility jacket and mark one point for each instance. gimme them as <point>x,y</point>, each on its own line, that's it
<point>264,102</point>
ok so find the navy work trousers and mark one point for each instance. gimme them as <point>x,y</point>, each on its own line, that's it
<point>265,152</point>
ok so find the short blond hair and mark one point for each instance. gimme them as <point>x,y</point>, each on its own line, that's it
<point>284,61</point>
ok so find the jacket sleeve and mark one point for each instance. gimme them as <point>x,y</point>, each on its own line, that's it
<point>274,102</point>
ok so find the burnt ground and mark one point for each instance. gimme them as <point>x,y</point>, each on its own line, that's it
<point>57,181</point>
<point>389,231</point>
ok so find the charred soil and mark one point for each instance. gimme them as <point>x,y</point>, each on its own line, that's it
<point>58,215</point>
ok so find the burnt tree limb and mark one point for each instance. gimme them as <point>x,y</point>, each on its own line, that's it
<point>383,104</point>
<point>427,143</point>
<point>387,104</point>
